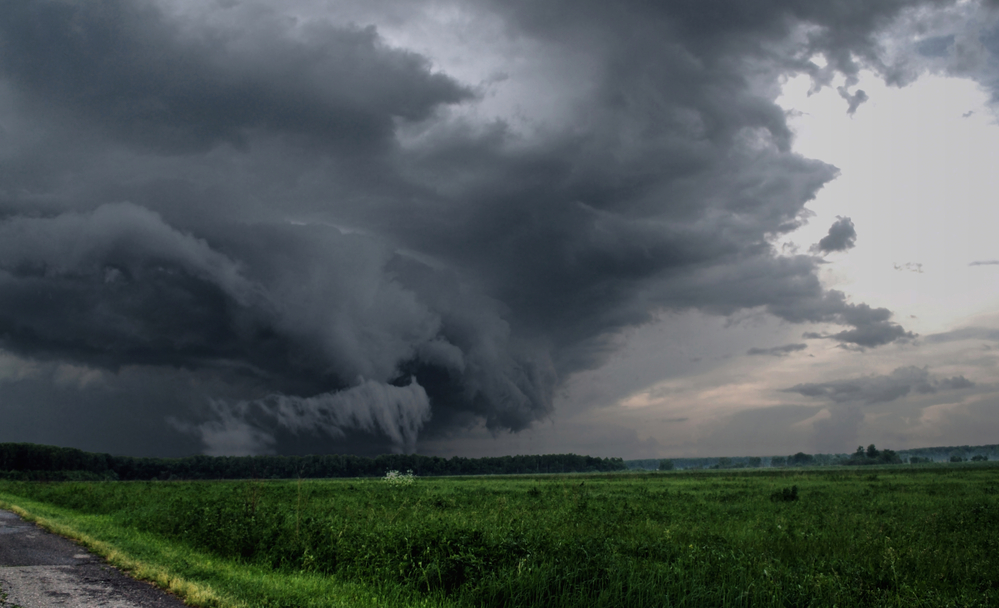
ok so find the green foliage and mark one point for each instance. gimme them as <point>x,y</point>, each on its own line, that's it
<point>912,536</point>
<point>800,459</point>
<point>33,457</point>
<point>665,465</point>
<point>872,456</point>
<point>785,495</point>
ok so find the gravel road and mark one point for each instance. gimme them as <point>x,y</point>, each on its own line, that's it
<point>41,570</point>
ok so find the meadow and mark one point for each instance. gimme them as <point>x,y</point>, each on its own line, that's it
<point>871,536</point>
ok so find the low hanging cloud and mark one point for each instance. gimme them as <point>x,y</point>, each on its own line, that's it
<point>868,390</point>
<point>778,351</point>
<point>241,428</point>
<point>849,398</point>
<point>314,216</point>
<point>965,333</point>
<point>872,327</point>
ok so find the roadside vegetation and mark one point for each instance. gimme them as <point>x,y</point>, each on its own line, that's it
<point>870,536</point>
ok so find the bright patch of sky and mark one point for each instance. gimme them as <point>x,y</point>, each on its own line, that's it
<point>918,180</point>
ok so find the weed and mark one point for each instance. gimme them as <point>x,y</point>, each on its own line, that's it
<point>396,478</point>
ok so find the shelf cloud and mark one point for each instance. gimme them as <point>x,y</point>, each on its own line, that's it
<point>331,224</point>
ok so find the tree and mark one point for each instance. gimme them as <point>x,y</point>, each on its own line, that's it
<point>889,457</point>
<point>872,452</point>
<point>665,465</point>
<point>800,459</point>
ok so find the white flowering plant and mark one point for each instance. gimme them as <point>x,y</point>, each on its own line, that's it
<point>396,478</point>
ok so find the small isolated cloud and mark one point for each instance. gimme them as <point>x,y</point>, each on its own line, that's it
<point>909,267</point>
<point>881,388</point>
<point>854,100</point>
<point>777,351</point>
<point>842,236</point>
<point>985,263</point>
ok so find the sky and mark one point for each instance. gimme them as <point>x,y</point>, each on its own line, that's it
<point>483,227</point>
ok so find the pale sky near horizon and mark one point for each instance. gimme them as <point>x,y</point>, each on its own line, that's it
<point>481,227</point>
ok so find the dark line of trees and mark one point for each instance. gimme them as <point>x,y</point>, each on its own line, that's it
<point>863,456</point>
<point>872,455</point>
<point>31,461</point>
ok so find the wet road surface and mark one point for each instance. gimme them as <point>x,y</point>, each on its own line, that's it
<point>42,570</point>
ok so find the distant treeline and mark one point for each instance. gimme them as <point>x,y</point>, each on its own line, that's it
<point>30,461</point>
<point>863,456</point>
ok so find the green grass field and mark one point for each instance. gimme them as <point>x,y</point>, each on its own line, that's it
<point>894,536</point>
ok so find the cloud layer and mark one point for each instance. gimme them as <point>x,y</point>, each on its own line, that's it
<point>356,241</point>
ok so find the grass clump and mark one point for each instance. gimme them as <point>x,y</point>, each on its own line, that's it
<point>785,495</point>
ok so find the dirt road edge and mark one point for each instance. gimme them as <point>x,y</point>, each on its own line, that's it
<point>193,594</point>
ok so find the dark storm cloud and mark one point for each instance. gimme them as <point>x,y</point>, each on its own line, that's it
<point>936,46</point>
<point>871,326</point>
<point>778,351</point>
<point>314,221</point>
<point>124,67</point>
<point>964,42</point>
<point>842,236</point>
<point>880,388</point>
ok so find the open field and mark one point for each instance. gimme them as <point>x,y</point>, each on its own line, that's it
<point>893,536</point>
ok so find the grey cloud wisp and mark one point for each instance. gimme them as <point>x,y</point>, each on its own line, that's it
<point>316,219</point>
<point>777,351</point>
<point>881,388</point>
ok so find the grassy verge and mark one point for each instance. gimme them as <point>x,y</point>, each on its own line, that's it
<point>901,536</point>
<point>197,577</point>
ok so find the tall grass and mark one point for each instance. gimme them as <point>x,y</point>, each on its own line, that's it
<point>891,537</point>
